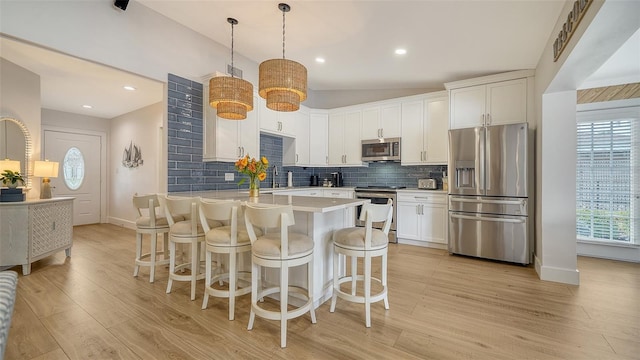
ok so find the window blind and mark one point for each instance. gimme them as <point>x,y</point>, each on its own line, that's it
<point>607,180</point>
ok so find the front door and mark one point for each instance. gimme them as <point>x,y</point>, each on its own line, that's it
<point>79,174</point>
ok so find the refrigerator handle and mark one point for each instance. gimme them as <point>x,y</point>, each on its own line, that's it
<point>483,218</point>
<point>480,158</point>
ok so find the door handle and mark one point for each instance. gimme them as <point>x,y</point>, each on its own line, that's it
<point>483,122</point>
<point>488,119</point>
<point>296,158</point>
<point>483,201</point>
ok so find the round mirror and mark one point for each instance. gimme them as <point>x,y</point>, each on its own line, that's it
<point>15,144</point>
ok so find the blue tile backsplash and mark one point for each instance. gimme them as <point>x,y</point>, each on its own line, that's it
<point>187,172</point>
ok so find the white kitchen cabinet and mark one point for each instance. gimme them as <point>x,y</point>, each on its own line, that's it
<point>422,218</point>
<point>275,122</point>
<point>381,121</point>
<point>344,139</point>
<point>424,130</point>
<point>34,229</point>
<point>227,140</point>
<point>296,148</point>
<point>501,99</point>
<point>318,138</point>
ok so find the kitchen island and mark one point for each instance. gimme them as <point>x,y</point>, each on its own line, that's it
<point>317,217</point>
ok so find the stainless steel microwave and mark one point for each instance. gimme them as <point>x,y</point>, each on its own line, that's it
<point>384,149</point>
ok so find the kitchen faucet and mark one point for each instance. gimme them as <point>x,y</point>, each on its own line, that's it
<point>274,173</point>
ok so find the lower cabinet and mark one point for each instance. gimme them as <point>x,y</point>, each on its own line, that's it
<point>422,218</point>
<point>32,230</point>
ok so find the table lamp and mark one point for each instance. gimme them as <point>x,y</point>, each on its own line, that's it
<point>45,169</point>
<point>13,165</point>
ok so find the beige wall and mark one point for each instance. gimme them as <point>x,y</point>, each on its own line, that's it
<point>20,99</point>
<point>143,128</point>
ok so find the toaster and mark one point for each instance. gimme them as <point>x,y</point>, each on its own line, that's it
<point>428,184</point>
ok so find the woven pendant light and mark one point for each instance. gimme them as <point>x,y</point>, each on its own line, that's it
<point>282,82</point>
<point>232,97</point>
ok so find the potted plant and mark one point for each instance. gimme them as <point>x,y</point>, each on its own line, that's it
<point>11,179</point>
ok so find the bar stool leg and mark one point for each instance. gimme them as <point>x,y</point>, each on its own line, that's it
<point>354,274</point>
<point>152,256</point>
<point>336,280</point>
<point>367,288</point>
<point>195,266</point>
<point>233,272</point>
<point>384,280</point>
<point>255,269</point>
<point>310,290</point>
<point>172,264</point>
<point>207,281</point>
<point>138,253</point>
<point>284,301</point>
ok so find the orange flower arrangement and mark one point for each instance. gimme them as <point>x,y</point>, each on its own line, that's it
<point>256,170</point>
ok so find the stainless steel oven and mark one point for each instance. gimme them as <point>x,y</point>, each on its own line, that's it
<point>379,195</point>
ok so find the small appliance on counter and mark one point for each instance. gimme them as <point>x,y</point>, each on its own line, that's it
<point>314,181</point>
<point>427,184</point>
<point>336,179</point>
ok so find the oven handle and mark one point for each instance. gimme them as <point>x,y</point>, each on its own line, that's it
<point>483,218</point>
<point>485,201</point>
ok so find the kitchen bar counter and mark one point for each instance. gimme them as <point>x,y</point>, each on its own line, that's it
<point>317,217</point>
<point>299,203</point>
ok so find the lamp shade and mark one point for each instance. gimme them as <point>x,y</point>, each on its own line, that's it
<point>283,83</point>
<point>232,97</point>
<point>45,169</point>
<point>13,165</point>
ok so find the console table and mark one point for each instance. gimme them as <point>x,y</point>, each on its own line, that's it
<point>33,229</point>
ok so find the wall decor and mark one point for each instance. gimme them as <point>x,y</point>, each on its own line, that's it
<point>132,156</point>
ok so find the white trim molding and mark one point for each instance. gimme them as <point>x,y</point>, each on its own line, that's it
<point>556,274</point>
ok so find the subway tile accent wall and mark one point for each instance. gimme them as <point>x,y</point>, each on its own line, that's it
<point>187,172</point>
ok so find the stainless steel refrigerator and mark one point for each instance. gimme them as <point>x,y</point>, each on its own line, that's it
<point>490,182</point>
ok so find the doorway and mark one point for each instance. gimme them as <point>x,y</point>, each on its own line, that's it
<point>82,158</point>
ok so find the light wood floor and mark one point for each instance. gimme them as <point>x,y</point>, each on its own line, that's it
<point>90,306</point>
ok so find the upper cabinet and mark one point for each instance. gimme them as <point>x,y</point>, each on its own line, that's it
<point>424,129</point>
<point>296,148</point>
<point>344,138</point>
<point>275,122</point>
<point>491,100</point>
<point>319,138</point>
<point>381,121</point>
<point>228,140</point>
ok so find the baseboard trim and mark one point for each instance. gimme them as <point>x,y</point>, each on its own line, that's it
<point>555,274</point>
<point>122,222</point>
<point>428,244</point>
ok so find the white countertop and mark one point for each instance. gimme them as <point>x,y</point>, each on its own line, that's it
<point>436,191</point>
<point>35,201</point>
<point>299,203</point>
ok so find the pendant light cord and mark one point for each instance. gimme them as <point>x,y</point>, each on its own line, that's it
<point>232,68</point>
<point>283,12</point>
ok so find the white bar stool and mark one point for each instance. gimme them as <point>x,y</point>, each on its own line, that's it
<point>232,239</point>
<point>186,231</point>
<point>281,250</point>
<point>152,224</point>
<point>363,242</point>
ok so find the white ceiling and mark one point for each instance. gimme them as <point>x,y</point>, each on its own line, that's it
<point>445,41</point>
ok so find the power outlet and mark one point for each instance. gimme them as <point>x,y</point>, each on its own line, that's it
<point>228,176</point>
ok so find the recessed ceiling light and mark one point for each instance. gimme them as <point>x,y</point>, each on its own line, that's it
<point>320,60</point>
<point>401,51</point>
<point>128,87</point>
<point>87,106</point>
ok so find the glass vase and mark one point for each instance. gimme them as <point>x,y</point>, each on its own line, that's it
<point>254,187</point>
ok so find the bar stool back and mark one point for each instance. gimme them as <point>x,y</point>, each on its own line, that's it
<point>281,249</point>
<point>363,242</point>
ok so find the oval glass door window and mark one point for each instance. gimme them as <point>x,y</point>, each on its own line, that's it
<point>73,168</point>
